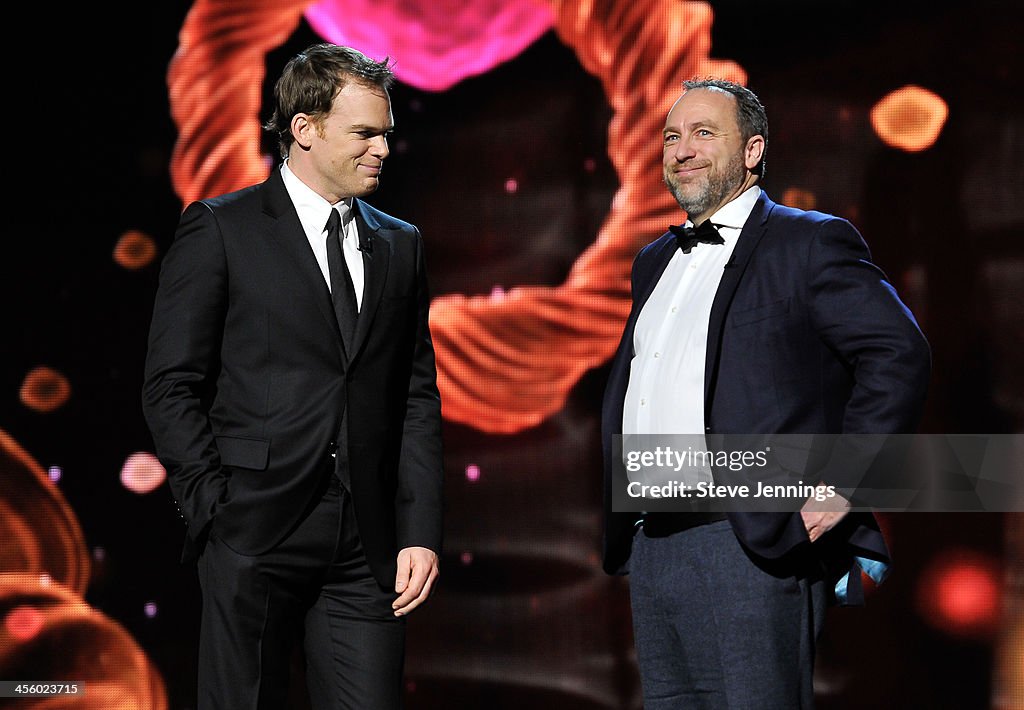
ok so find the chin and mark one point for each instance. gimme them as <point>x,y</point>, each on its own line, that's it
<point>367,188</point>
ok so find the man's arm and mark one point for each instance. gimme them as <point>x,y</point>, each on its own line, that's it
<point>418,503</point>
<point>858,315</point>
<point>182,363</point>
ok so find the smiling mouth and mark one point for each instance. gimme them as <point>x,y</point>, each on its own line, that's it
<point>685,172</point>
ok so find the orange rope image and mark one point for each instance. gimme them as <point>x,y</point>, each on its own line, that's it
<point>508,361</point>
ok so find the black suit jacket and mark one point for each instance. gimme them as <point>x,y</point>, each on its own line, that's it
<point>806,336</point>
<point>249,389</point>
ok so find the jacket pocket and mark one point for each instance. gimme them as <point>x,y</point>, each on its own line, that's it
<point>759,313</point>
<point>242,452</point>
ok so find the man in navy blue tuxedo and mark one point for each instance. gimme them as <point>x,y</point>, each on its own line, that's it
<point>751,319</point>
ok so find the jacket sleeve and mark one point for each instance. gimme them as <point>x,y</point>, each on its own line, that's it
<point>182,364</point>
<point>418,503</point>
<point>858,315</point>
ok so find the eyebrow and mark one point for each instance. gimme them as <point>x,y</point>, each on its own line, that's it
<point>361,128</point>
<point>692,126</point>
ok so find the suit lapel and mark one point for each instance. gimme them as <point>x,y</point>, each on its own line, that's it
<point>375,266</point>
<point>663,255</point>
<point>746,243</point>
<point>290,235</point>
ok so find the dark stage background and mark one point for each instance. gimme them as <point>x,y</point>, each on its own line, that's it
<point>508,175</point>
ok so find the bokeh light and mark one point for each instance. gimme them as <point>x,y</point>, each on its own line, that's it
<point>909,118</point>
<point>23,622</point>
<point>441,43</point>
<point>800,198</point>
<point>134,250</point>
<point>142,473</point>
<point>45,390</point>
<point>472,473</point>
<point>960,594</point>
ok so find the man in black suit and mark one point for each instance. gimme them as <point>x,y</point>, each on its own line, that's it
<point>291,392</point>
<point>751,319</point>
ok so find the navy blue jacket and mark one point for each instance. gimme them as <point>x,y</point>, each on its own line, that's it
<point>806,336</point>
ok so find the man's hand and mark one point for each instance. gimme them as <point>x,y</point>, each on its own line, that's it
<point>821,516</point>
<point>417,572</point>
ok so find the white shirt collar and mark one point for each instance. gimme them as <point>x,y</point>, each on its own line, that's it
<point>312,208</point>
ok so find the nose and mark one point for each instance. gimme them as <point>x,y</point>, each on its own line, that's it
<point>683,150</point>
<point>379,147</point>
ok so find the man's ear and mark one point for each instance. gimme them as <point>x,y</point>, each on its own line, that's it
<point>303,128</point>
<point>753,152</point>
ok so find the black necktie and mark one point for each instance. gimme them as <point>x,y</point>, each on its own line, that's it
<point>343,293</point>
<point>688,237</point>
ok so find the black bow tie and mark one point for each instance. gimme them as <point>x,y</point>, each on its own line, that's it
<point>688,237</point>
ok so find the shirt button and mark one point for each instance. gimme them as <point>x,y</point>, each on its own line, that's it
<point>657,355</point>
<point>643,402</point>
<point>674,309</point>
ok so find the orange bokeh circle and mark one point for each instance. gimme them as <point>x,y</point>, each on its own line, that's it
<point>45,390</point>
<point>134,250</point>
<point>909,118</point>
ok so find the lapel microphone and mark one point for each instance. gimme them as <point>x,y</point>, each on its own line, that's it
<point>365,243</point>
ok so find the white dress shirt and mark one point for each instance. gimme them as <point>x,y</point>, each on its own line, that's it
<point>314,212</point>
<point>665,394</point>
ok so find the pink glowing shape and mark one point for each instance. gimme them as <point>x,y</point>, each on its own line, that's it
<point>142,473</point>
<point>24,622</point>
<point>434,43</point>
<point>54,473</point>
<point>466,558</point>
<point>472,473</point>
<point>149,610</point>
<point>511,185</point>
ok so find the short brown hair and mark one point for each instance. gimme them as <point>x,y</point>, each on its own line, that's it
<point>312,79</point>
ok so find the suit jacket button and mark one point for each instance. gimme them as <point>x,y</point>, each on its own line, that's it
<point>332,448</point>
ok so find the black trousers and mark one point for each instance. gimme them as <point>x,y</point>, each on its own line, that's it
<point>716,630</point>
<point>314,586</point>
